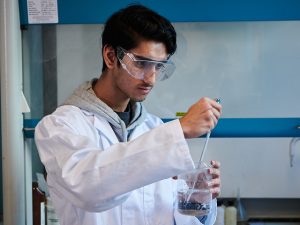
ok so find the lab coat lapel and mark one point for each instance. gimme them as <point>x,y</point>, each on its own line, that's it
<point>105,129</point>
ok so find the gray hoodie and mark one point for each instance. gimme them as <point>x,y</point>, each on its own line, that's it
<point>85,98</point>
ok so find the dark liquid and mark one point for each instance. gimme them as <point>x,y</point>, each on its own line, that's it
<point>193,208</point>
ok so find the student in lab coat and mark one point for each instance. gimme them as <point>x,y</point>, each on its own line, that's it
<point>108,161</point>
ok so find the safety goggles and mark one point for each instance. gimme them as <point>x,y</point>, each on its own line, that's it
<point>140,67</point>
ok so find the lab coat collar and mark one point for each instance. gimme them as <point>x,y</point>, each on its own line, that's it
<point>85,98</point>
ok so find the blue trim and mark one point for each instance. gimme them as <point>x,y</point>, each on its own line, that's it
<point>255,127</point>
<point>28,127</point>
<point>97,11</point>
<point>230,127</point>
<point>23,12</point>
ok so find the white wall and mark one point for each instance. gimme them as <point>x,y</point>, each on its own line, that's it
<point>252,66</point>
<point>78,56</point>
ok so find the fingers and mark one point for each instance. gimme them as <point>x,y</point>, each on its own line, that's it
<point>215,164</point>
<point>215,187</point>
<point>201,118</point>
<point>215,112</point>
<point>215,183</point>
<point>216,115</point>
<point>215,192</point>
<point>216,104</point>
<point>211,112</point>
<point>215,169</point>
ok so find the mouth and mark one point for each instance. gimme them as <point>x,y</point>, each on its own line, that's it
<point>145,89</point>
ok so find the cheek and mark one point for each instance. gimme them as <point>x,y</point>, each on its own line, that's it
<point>125,83</point>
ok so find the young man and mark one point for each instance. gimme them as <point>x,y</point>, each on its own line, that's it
<point>108,161</point>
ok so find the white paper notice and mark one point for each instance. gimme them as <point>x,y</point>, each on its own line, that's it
<point>42,11</point>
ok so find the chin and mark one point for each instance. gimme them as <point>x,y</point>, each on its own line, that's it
<point>138,99</point>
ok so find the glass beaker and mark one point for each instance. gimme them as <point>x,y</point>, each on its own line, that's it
<point>193,195</point>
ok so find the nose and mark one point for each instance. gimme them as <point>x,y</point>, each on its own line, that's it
<point>150,77</point>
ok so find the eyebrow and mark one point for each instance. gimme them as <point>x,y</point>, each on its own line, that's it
<point>145,58</point>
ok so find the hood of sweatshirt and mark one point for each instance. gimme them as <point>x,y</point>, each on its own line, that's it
<point>85,98</point>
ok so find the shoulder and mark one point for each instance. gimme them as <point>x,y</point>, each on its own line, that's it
<point>67,113</point>
<point>67,116</point>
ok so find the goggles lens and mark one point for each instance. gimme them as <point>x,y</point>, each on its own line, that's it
<point>141,68</point>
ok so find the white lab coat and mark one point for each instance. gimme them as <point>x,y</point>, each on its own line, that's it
<point>94,179</point>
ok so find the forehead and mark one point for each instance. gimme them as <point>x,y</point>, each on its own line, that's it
<point>151,49</point>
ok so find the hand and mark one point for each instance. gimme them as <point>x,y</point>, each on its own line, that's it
<point>215,183</point>
<point>201,118</point>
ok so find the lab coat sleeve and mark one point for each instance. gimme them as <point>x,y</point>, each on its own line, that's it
<point>97,179</point>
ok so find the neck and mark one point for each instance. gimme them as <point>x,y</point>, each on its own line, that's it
<point>105,90</point>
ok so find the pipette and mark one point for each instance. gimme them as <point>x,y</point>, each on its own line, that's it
<point>201,158</point>
<point>206,142</point>
<point>204,149</point>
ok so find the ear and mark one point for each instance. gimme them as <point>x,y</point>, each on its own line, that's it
<point>109,56</point>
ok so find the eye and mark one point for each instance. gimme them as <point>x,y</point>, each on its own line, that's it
<point>140,64</point>
<point>159,66</point>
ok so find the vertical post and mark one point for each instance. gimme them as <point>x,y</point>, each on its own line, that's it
<point>28,182</point>
<point>11,114</point>
<point>49,68</point>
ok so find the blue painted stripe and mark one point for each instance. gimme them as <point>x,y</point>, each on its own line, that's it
<point>97,11</point>
<point>28,127</point>
<point>231,127</point>
<point>255,127</point>
<point>23,12</point>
